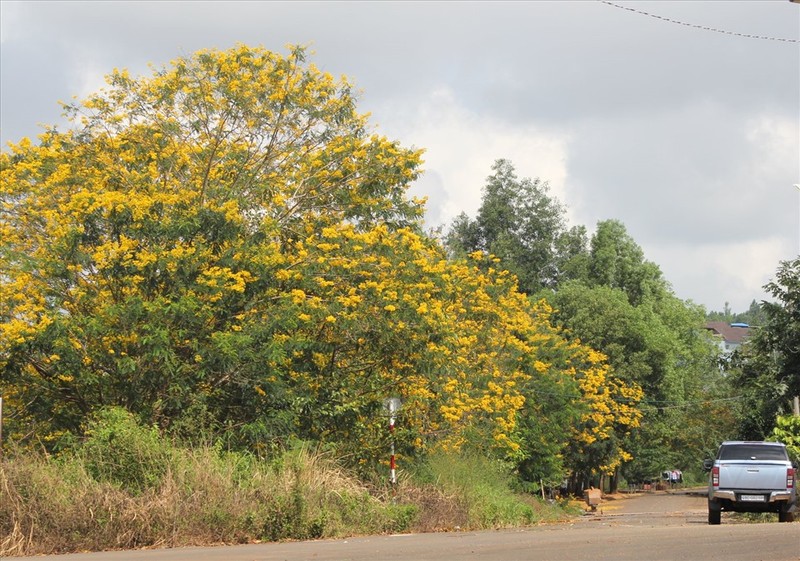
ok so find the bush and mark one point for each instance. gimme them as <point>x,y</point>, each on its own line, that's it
<point>120,451</point>
<point>787,431</point>
<point>128,487</point>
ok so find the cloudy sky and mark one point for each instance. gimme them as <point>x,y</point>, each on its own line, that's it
<point>680,119</point>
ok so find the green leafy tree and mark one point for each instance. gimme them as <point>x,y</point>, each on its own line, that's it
<point>572,255</point>
<point>576,410</point>
<point>624,308</point>
<point>768,369</point>
<point>617,261</point>
<point>520,223</point>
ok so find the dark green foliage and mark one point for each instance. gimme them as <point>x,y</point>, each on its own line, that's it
<point>767,369</point>
<point>617,261</point>
<point>553,407</point>
<point>624,308</point>
<point>520,223</point>
<point>124,453</point>
<point>780,334</point>
<point>608,296</point>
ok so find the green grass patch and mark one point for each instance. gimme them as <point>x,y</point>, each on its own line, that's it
<point>476,492</point>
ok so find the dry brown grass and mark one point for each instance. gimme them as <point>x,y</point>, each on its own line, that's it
<point>206,496</point>
<point>54,506</point>
<point>438,511</point>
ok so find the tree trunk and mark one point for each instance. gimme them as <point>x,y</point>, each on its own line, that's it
<point>614,486</point>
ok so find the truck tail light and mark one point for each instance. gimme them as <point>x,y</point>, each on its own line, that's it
<point>790,478</point>
<point>715,477</point>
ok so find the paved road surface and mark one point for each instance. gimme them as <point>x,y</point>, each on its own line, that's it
<point>659,527</point>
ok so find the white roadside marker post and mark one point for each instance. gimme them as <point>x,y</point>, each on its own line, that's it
<point>392,405</point>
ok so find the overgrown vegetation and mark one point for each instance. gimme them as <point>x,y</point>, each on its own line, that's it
<point>126,486</point>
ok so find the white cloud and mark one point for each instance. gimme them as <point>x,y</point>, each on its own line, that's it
<point>461,146</point>
<point>775,142</point>
<point>712,274</point>
<point>9,21</point>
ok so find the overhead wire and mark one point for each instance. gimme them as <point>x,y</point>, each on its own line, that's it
<point>696,26</point>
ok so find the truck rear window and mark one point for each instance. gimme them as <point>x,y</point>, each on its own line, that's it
<point>752,452</point>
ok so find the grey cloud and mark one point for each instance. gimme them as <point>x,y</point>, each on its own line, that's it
<point>686,176</point>
<point>430,185</point>
<point>659,115</point>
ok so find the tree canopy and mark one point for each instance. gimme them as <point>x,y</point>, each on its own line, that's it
<point>605,294</point>
<point>225,250</point>
<point>520,223</point>
<point>140,248</point>
<point>767,369</point>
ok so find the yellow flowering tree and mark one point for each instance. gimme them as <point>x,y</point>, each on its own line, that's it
<point>577,412</point>
<point>382,313</point>
<point>137,246</point>
<point>223,249</point>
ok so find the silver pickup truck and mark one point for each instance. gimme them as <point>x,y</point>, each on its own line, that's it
<point>751,477</point>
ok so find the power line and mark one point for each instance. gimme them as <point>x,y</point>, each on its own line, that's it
<point>702,27</point>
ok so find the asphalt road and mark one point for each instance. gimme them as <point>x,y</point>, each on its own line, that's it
<point>658,527</point>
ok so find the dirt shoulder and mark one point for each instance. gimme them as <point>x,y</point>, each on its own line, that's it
<point>686,506</point>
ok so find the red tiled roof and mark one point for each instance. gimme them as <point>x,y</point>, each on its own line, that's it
<point>728,332</point>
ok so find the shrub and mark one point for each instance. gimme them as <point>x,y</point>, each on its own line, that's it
<point>787,430</point>
<point>128,487</point>
<point>120,451</point>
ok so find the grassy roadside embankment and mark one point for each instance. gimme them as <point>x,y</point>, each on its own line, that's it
<point>126,487</point>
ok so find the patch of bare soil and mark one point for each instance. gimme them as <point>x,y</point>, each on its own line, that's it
<point>654,508</point>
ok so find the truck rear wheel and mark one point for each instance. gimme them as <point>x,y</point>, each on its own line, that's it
<point>785,516</point>
<point>714,511</point>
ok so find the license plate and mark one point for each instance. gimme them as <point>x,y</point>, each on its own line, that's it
<point>753,498</point>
